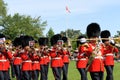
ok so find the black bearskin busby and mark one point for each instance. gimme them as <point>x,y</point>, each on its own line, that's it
<point>54,39</point>
<point>2,36</point>
<point>17,42</point>
<point>43,41</point>
<point>65,39</point>
<point>25,40</point>
<point>105,34</point>
<point>93,30</point>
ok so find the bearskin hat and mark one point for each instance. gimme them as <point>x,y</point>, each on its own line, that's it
<point>93,30</point>
<point>25,40</point>
<point>105,34</point>
<point>17,42</point>
<point>43,41</point>
<point>54,39</point>
<point>2,36</point>
<point>65,39</point>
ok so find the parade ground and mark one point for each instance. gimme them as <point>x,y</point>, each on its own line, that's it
<point>73,73</point>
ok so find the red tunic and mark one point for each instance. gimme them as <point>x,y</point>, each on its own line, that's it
<point>109,54</point>
<point>4,60</point>
<point>43,58</point>
<point>65,56</point>
<point>56,58</point>
<point>35,62</point>
<point>97,64</point>
<point>26,62</point>
<point>17,58</point>
<point>82,57</point>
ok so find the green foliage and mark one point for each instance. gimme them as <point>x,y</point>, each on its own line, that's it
<point>21,24</point>
<point>3,10</point>
<point>72,35</point>
<point>50,34</point>
<point>118,34</point>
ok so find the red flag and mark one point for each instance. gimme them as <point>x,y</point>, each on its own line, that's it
<point>67,9</point>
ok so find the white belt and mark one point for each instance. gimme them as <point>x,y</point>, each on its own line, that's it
<point>108,54</point>
<point>18,57</point>
<point>82,59</point>
<point>3,60</point>
<point>45,56</point>
<point>35,61</point>
<point>56,58</point>
<point>82,54</point>
<point>27,61</point>
<point>98,57</point>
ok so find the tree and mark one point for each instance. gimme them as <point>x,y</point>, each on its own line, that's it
<point>118,34</point>
<point>21,24</point>
<point>72,35</point>
<point>3,11</point>
<point>50,34</point>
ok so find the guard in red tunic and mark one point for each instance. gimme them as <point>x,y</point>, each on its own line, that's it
<point>95,63</point>
<point>82,58</point>
<point>44,57</point>
<point>109,50</point>
<point>17,59</point>
<point>26,60</point>
<point>35,64</point>
<point>5,58</point>
<point>56,56</point>
<point>65,57</point>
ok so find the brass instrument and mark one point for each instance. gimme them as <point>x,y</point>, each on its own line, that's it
<point>93,55</point>
<point>97,39</point>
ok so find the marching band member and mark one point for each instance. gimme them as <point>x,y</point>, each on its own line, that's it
<point>26,60</point>
<point>95,63</point>
<point>65,58</point>
<point>109,50</point>
<point>56,58</point>
<point>44,57</point>
<point>17,59</point>
<point>35,64</point>
<point>82,59</point>
<point>5,58</point>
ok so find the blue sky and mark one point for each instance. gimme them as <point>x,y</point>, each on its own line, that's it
<point>83,12</point>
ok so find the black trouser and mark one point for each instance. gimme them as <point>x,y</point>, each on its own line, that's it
<point>13,70</point>
<point>57,72</point>
<point>96,75</point>
<point>46,71</point>
<point>8,74</point>
<point>65,71</point>
<point>43,76</point>
<point>109,70</point>
<point>4,75</point>
<point>17,71</point>
<point>27,75</point>
<point>83,73</point>
<point>35,75</point>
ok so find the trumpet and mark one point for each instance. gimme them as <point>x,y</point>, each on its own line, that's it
<point>97,39</point>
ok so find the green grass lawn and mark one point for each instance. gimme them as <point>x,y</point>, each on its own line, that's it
<point>73,74</point>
